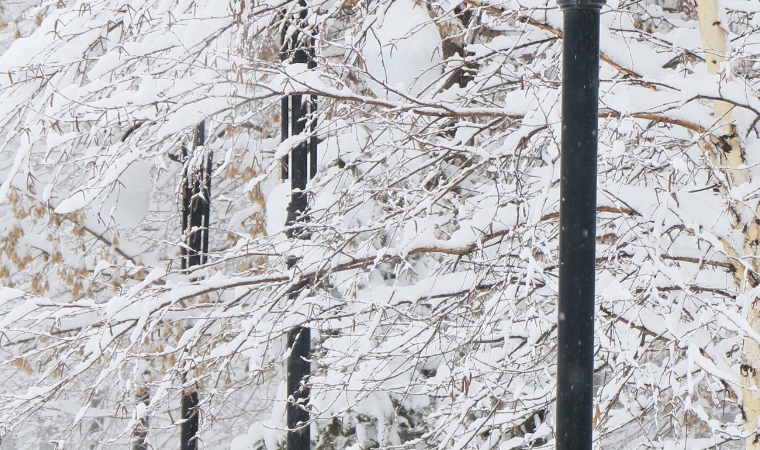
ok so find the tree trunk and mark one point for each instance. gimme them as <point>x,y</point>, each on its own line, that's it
<point>196,213</point>
<point>140,432</point>
<point>730,153</point>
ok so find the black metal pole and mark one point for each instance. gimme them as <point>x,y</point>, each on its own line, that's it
<point>302,165</point>
<point>577,223</point>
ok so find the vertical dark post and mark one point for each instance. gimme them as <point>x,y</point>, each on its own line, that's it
<point>196,212</point>
<point>577,222</point>
<point>298,49</point>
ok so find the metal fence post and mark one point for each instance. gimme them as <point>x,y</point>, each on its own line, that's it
<point>577,222</point>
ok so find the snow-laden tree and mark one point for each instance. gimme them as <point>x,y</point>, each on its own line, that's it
<point>432,223</point>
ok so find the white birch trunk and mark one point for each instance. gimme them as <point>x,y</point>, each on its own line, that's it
<point>714,41</point>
